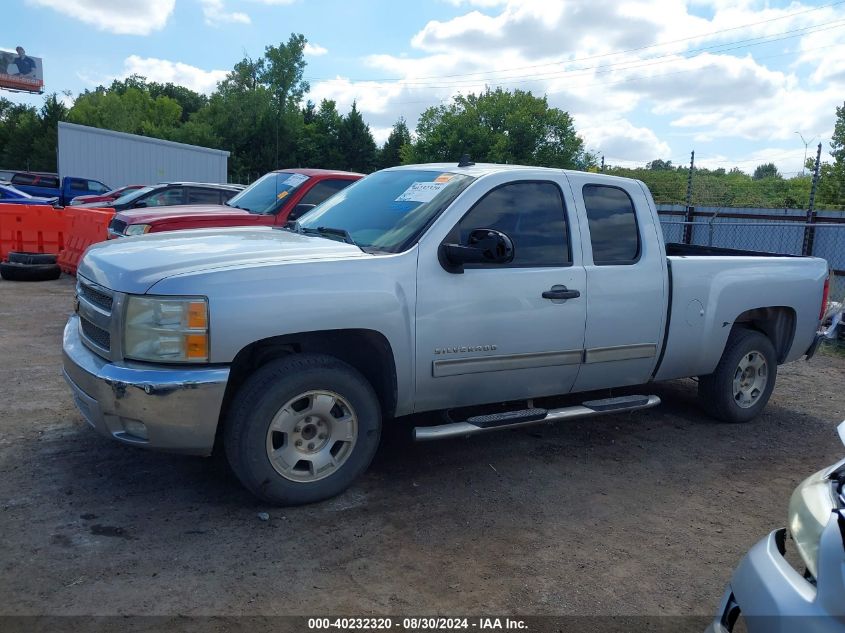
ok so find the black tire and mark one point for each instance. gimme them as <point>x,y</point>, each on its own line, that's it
<point>265,393</point>
<point>22,257</point>
<point>717,390</point>
<point>12,271</point>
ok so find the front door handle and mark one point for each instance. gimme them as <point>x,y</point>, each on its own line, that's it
<point>561,292</point>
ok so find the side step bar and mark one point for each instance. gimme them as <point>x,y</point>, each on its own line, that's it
<point>527,417</point>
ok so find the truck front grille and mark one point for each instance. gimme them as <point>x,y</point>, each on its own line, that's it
<point>98,307</point>
<point>99,299</point>
<point>118,226</point>
<point>97,335</point>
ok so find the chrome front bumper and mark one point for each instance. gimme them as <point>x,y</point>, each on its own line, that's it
<point>179,406</point>
<point>773,597</point>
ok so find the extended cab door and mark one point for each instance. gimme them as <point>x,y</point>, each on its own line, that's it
<point>488,334</point>
<point>626,290</point>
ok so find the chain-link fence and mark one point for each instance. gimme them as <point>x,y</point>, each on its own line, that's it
<point>782,232</point>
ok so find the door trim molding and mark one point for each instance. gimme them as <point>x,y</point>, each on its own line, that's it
<point>619,352</point>
<point>504,362</point>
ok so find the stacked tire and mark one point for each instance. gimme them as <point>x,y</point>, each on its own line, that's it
<point>24,266</point>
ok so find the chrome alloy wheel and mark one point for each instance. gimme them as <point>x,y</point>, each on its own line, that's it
<point>750,379</point>
<point>311,436</point>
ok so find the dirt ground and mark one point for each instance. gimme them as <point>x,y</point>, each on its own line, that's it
<point>638,514</point>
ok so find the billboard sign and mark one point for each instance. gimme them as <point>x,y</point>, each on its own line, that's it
<point>19,71</point>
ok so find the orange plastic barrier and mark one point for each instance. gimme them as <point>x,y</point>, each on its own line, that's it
<point>36,228</point>
<point>85,227</point>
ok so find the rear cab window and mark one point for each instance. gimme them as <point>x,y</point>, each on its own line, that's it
<point>614,233</point>
<point>323,190</point>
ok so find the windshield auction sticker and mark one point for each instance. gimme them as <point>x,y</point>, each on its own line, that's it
<point>421,192</point>
<point>294,180</point>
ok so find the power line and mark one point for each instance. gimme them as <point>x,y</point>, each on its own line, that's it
<point>633,64</point>
<point>624,81</point>
<point>602,55</point>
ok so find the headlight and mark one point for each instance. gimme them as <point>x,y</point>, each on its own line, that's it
<point>137,229</point>
<point>166,329</point>
<point>810,509</point>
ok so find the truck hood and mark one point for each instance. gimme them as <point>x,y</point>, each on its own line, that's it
<point>148,215</point>
<point>134,264</point>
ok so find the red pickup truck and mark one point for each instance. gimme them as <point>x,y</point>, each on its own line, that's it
<point>274,199</point>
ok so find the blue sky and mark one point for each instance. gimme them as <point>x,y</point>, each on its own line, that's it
<point>733,80</point>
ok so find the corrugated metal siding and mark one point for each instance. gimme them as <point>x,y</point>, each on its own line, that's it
<point>118,159</point>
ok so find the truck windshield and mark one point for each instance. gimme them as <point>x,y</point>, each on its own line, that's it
<point>388,210</point>
<point>268,193</point>
<point>130,196</point>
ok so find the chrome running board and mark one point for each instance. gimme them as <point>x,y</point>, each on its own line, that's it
<point>528,417</point>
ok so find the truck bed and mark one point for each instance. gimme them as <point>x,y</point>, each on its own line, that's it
<point>686,250</point>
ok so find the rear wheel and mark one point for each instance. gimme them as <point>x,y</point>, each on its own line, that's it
<point>743,381</point>
<point>301,429</point>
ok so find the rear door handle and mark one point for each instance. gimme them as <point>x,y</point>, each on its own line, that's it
<point>561,292</point>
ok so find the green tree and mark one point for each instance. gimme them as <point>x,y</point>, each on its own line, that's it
<point>503,127</point>
<point>241,115</point>
<point>390,154</point>
<point>766,170</point>
<point>356,142</point>
<point>660,165</point>
<point>282,74</point>
<point>320,141</point>
<point>127,109</point>
<point>21,127</point>
<point>45,145</point>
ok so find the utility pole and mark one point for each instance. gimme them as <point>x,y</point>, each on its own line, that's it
<point>806,145</point>
<point>810,231</point>
<point>690,209</point>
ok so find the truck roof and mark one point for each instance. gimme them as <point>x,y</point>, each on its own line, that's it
<point>477,170</point>
<point>307,171</point>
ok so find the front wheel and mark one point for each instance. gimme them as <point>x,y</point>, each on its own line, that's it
<point>743,381</point>
<point>301,429</point>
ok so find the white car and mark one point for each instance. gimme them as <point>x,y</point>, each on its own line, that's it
<point>771,595</point>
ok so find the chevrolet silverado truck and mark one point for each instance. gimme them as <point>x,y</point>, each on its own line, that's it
<point>274,199</point>
<point>481,291</point>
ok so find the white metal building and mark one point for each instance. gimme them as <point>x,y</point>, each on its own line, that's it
<point>118,159</point>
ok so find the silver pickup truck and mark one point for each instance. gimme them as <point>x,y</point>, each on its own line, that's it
<point>421,288</point>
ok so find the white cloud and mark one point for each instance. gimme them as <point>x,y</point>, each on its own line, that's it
<point>620,141</point>
<point>132,17</point>
<point>164,71</point>
<point>315,50</point>
<point>215,14</point>
<point>275,2</point>
<point>625,69</point>
<point>477,3</point>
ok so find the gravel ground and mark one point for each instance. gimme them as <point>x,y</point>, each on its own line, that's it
<point>642,514</point>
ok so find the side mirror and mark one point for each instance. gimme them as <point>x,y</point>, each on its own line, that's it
<point>484,246</point>
<point>299,210</point>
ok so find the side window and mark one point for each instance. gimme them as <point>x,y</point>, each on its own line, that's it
<point>164,198</point>
<point>226,195</point>
<point>323,190</point>
<point>48,181</point>
<point>79,185</point>
<point>532,215</point>
<point>99,187</point>
<point>203,196</point>
<point>23,179</point>
<point>613,225</point>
